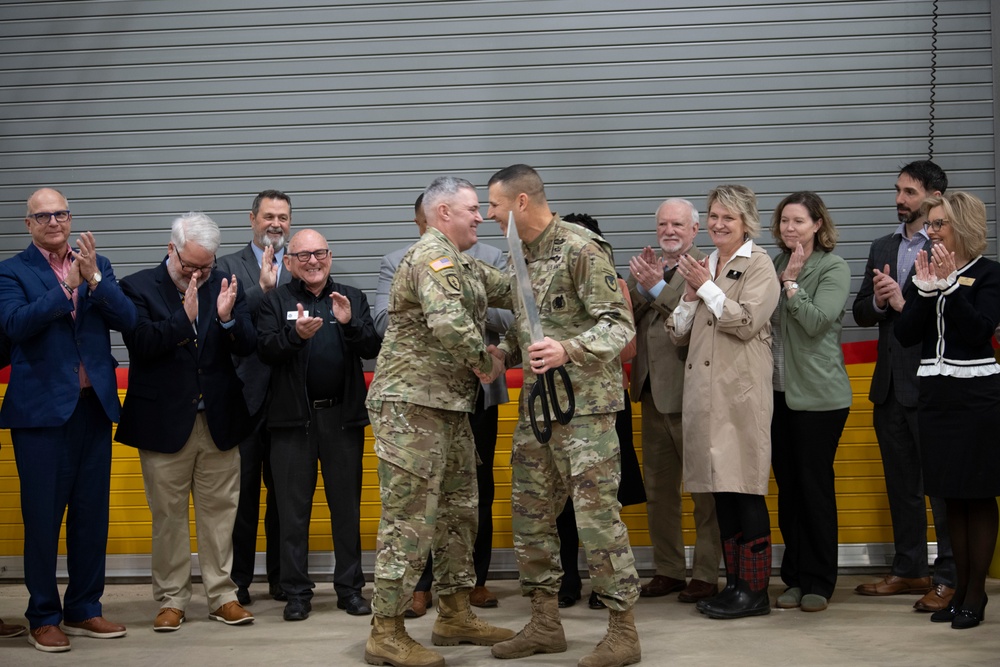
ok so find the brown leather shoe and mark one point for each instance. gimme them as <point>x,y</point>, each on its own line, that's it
<point>97,627</point>
<point>421,601</point>
<point>697,590</point>
<point>232,613</point>
<point>168,619</point>
<point>893,585</point>
<point>49,638</point>
<point>11,630</point>
<point>660,585</point>
<point>482,597</point>
<point>937,599</point>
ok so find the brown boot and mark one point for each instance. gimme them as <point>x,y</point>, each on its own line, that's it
<point>421,601</point>
<point>389,644</point>
<point>620,645</point>
<point>543,633</point>
<point>457,624</point>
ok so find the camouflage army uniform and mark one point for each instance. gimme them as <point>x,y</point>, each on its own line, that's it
<point>423,387</point>
<point>582,307</point>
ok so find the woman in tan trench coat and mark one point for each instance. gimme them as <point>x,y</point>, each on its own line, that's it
<point>724,317</point>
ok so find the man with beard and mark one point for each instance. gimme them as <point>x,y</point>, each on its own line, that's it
<point>658,382</point>
<point>185,412</point>
<point>894,391</point>
<point>258,268</point>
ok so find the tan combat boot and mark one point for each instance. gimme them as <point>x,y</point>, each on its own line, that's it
<point>620,645</point>
<point>389,644</point>
<point>457,624</point>
<point>543,633</point>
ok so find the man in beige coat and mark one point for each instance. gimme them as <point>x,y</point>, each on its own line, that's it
<point>658,383</point>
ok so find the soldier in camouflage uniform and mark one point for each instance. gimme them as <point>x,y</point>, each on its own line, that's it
<point>586,324</point>
<point>425,385</point>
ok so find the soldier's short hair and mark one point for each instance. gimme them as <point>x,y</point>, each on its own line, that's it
<point>519,178</point>
<point>443,188</point>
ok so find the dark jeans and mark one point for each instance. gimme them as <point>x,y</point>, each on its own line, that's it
<point>255,462</point>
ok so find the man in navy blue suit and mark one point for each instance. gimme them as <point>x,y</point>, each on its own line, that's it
<point>57,305</point>
<point>185,412</point>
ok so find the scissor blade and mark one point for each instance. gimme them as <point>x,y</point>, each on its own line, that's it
<point>523,282</point>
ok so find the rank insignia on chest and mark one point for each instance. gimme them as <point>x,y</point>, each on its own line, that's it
<point>734,274</point>
<point>558,303</point>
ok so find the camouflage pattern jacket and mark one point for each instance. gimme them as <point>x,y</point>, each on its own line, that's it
<point>437,315</point>
<point>581,306</point>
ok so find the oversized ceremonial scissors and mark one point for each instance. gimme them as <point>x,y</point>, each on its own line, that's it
<point>544,389</point>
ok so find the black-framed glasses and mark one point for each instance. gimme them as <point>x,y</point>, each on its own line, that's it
<point>936,225</point>
<point>191,268</point>
<point>43,218</point>
<point>304,256</point>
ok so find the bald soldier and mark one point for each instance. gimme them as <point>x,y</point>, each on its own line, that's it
<point>424,388</point>
<point>586,323</point>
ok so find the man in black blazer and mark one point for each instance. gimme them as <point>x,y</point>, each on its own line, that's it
<point>57,305</point>
<point>258,270</point>
<point>887,281</point>
<point>184,410</point>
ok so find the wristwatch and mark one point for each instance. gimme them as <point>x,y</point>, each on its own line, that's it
<point>791,284</point>
<point>95,280</point>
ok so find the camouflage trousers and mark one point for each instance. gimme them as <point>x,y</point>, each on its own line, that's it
<point>430,500</point>
<point>582,461</point>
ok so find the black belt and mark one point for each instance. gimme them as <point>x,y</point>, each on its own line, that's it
<point>326,403</point>
<point>86,392</point>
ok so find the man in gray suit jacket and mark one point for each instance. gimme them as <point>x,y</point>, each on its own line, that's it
<point>658,383</point>
<point>887,281</point>
<point>483,421</point>
<point>258,268</point>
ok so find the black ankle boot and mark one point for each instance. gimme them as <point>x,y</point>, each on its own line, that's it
<point>743,602</point>
<point>969,618</point>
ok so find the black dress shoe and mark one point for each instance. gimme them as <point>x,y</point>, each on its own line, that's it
<point>946,615</point>
<point>297,609</point>
<point>243,596</point>
<point>969,618</point>
<point>354,604</point>
<point>276,592</point>
<point>595,602</point>
<point>568,596</point>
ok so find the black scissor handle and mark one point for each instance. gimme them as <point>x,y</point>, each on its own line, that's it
<point>544,389</point>
<point>562,416</point>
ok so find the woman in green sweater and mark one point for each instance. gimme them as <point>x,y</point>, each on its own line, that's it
<point>812,396</point>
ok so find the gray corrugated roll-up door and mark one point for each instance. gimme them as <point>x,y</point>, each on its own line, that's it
<point>142,110</point>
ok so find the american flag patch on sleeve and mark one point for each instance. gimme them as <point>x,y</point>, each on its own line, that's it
<point>441,264</point>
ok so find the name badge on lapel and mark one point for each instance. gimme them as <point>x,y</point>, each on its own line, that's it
<point>292,315</point>
<point>966,281</point>
<point>734,274</point>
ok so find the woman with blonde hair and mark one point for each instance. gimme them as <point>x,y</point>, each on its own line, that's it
<point>725,318</point>
<point>954,315</point>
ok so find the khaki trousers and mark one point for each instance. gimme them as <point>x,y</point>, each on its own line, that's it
<point>213,478</point>
<point>662,468</point>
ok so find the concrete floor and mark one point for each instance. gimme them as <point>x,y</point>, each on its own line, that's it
<point>854,631</point>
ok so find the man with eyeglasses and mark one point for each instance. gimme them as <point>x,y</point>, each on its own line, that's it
<point>887,281</point>
<point>57,306</point>
<point>258,268</point>
<point>314,332</point>
<point>185,412</point>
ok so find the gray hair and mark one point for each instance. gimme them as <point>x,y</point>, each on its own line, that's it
<point>695,219</point>
<point>443,188</point>
<point>198,228</point>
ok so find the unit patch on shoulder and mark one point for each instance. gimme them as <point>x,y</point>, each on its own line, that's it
<point>611,281</point>
<point>441,264</point>
<point>453,281</point>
